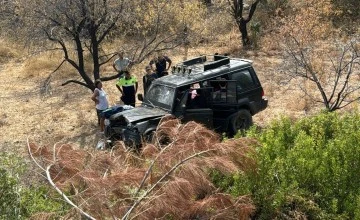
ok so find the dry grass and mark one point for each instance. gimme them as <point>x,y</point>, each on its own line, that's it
<point>96,178</point>
<point>8,51</point>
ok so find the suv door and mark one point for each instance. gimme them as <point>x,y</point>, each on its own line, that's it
<point>249,90</point>
<point>195,105</point>
<point>247,84</point>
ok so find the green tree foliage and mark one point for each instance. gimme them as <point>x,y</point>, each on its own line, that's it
<point>305,169</point>
<point>20,202</point>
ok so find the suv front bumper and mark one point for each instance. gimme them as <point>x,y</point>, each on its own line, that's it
<point>130,136</point>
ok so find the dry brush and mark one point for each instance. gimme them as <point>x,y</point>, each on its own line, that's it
<point>166,178</point>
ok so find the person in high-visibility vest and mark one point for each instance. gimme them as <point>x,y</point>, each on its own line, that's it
<point>128,86</point>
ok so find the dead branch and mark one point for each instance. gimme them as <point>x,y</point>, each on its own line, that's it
<point>46,85</point>
<point>148,171</point>
<point>63,194</point>
<point>145,194</point>
<point>76,82</point>
<point>29,150</point>
<point>48,177</point>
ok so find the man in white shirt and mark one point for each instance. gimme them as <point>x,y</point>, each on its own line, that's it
<point>121,64</point>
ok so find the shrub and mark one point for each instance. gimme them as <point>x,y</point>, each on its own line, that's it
<point>18,201</point>
<point>306,169</point>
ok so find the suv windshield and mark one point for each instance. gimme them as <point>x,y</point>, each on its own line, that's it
<point>160,95</point>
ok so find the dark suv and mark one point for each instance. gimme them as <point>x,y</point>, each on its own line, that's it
<point>220,92</point>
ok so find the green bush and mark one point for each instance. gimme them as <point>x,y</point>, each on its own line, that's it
<point>21,202</point>
<point>309,168</point>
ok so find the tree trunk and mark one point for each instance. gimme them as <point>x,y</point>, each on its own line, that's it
<point>241,21</point>
<point>243,30</point>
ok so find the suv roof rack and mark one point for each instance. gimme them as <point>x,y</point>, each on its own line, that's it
<point>218,62</point>
<point>201,63</point>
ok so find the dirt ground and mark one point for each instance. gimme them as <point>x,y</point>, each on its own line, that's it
<point>67,114</point>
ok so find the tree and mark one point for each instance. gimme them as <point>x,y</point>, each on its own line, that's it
<point>317,54</point>
<point>80,28</point>
<point>237,8</point>
<point>338,86</point>
<point>160,25</point>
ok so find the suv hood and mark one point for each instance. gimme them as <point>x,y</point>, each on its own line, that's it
<point>139,114</point>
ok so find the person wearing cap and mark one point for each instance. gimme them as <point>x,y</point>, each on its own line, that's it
<point>121,64</point>
<point>101,103</point>
<point>148,78</point>
<point>128,86</point>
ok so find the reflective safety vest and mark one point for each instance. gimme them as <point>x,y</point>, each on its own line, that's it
<point>127,82</point>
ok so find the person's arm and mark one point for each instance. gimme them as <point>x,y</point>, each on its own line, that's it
<point>144,82</point>
<point>95,95</point>
<point>168,60</point>
<point>151,65</point>
<point>117,86</point>
<point>131,63</point>
<point>114,66</point>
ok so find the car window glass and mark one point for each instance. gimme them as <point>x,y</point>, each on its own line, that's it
<point>224,91</point>
<point>243,79</point>
<point>161,94</point>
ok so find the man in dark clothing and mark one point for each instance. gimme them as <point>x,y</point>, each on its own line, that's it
<point>162,64</point>
<point>148,78</point>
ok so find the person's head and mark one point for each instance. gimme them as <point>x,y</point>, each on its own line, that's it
<point>160,56</point>
<point>148,69</point>
<point>127,74</point>
<point>98,84</point>
<point>120,54</point>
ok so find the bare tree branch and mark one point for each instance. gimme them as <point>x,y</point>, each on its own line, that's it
<point>48,177</point>
<point>76,82</point>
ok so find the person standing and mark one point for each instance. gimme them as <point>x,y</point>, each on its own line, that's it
<point>101,103</point>
<point>148,78</point>
<point>128,86</point>
<point>162,65</point>
<point>121,64</point>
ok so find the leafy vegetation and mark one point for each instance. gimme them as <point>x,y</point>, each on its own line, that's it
<point>305,169</point>
<point>18,202</point>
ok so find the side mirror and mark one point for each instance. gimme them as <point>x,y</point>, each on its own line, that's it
<point>140,97</point>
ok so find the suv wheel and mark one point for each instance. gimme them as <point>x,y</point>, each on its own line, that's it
<point>242,120</point>
<point>149,137</point>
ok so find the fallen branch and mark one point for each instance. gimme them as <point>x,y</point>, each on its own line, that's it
<point>63,194</point>
<point>137,202</point>
<point>48,177</point>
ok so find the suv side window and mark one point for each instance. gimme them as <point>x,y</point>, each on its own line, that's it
<point>224,91</point>
<point>243,79</point>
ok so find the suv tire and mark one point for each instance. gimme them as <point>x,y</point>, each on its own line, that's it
<point>242,120</point>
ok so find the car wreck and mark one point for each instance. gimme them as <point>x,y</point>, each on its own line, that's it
<point>220,92</point>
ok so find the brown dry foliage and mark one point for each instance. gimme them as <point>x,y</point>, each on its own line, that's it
<point>104,183</point>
